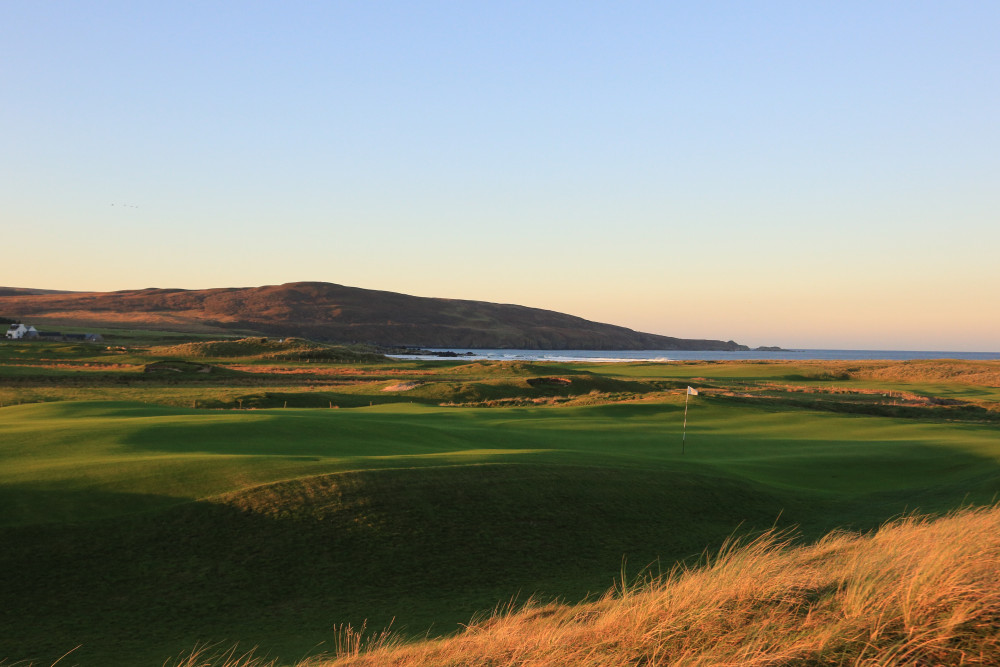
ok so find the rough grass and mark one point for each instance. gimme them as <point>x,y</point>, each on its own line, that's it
<point>287,349</point>
<point>504,392</point>
<point>298,373</point>
<point>934,371</point>
<point>917,592</point>
<point>985,373</point>
<point>509,368</point>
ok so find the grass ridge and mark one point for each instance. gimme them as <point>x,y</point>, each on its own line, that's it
<point>918,591</point>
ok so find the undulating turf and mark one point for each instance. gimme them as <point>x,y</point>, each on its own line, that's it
<point>142,530</point>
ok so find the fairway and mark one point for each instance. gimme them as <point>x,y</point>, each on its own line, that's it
<point>143,529</point>
<point>161,456</point>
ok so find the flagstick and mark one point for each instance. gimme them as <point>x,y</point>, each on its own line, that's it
<point>687,397</point>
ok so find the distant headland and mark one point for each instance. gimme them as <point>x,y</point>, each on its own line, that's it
<point>337,313</point>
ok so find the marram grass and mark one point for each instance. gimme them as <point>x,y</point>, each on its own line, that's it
<point>916,592</point>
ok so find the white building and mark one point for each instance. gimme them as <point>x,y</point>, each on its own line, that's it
<point>18,331</point>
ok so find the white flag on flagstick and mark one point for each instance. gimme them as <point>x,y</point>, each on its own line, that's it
<point>692,391</point>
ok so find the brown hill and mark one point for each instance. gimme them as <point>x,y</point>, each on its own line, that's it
<point>325,311</point>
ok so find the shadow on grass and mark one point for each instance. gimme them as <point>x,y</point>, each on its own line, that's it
<point>281,565</point>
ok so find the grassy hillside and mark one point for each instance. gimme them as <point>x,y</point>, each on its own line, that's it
<point>915,593</point>
<point>338,313</point>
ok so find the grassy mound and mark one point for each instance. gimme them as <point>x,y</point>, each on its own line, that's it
<point>287,349</point>
<point>509,368</point>
<point>916,593</point>
<point>282,563</point>
<point>969,372</point>
<point>176,366</point>
<point>529,390</point>
<point>986,373</point>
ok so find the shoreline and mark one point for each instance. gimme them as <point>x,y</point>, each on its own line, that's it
<point>666,356</point>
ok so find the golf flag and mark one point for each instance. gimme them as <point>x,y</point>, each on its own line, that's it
<point>690,392</point>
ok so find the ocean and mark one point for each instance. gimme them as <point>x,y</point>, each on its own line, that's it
<point>691,355</point>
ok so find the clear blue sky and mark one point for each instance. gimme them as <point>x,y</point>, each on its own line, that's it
<point>801,174</point>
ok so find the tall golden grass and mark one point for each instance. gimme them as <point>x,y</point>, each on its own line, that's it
<point>916,592</point>
<point>974,372</point>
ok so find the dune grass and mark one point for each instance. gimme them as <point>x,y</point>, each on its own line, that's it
<point>285,349</point>
<point>917,592</point>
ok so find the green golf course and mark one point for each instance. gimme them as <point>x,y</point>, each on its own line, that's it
<point>143,515</point>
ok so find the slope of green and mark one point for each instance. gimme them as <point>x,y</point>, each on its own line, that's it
<point>144,529</point>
